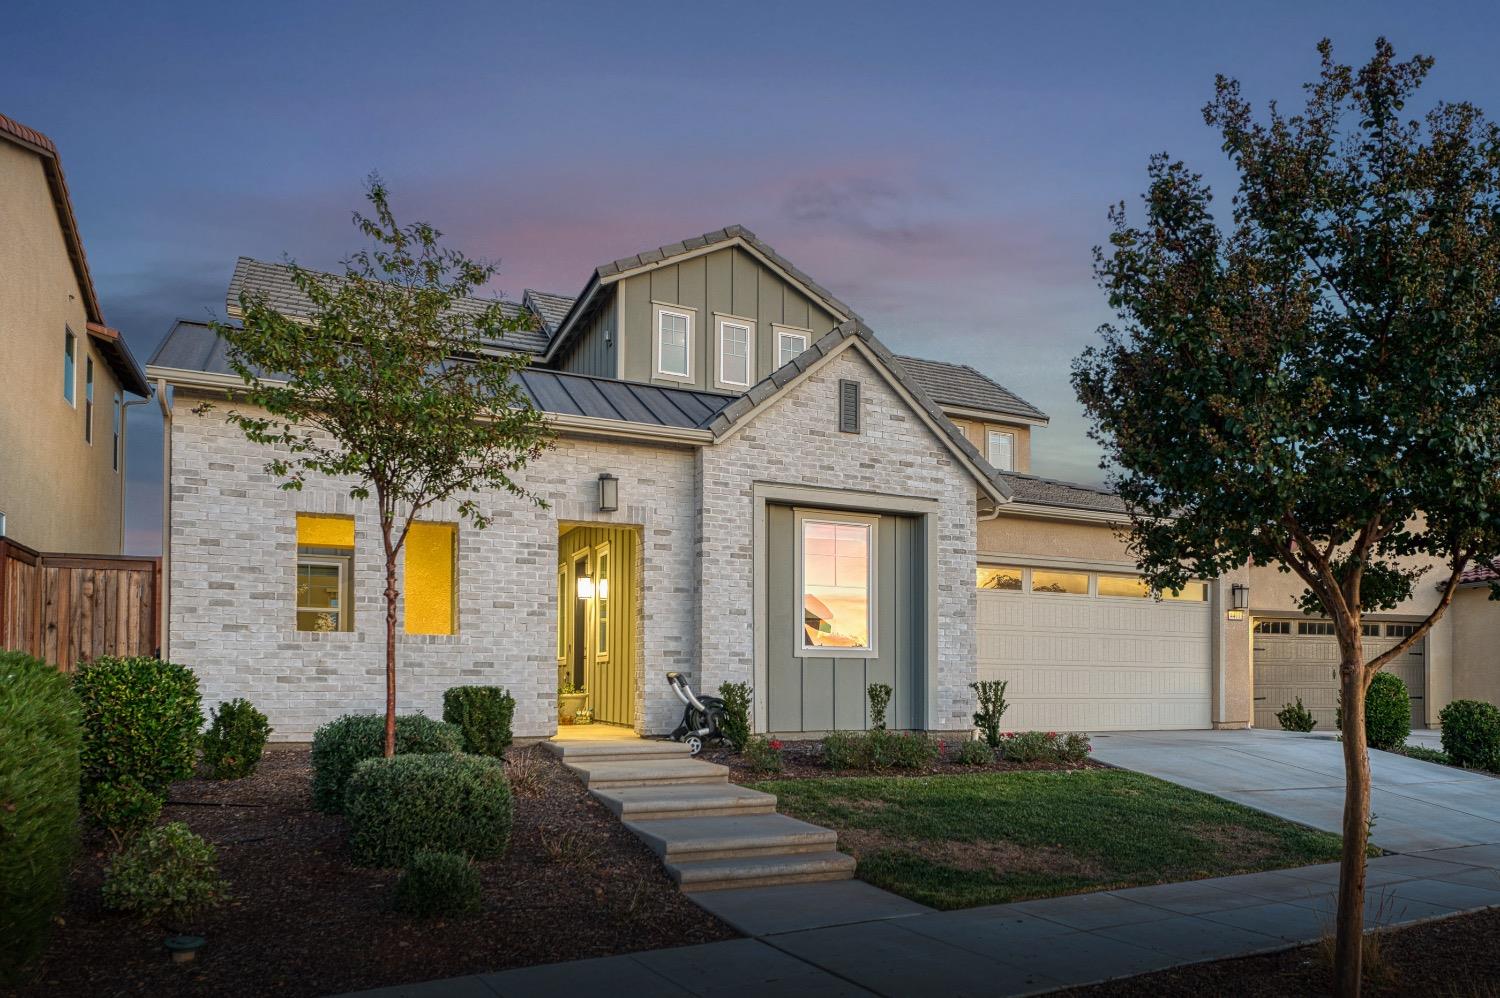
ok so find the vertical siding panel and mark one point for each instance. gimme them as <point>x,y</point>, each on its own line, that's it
<point>746,284</point>
<point>719,280</point>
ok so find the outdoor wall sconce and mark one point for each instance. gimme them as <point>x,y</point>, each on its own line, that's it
<point>1239,601</point>
<point>585,587</point>
<point>609,493</point>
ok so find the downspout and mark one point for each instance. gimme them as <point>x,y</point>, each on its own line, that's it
<point>166,515</point>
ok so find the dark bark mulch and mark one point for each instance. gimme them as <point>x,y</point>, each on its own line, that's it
<point>803,760</point>
<point>303,921</point>
<point>1453,958</point>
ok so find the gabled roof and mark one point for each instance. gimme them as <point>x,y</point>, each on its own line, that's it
<point>274,281</point>
<point>551,309</point>
<point>960,385</point>
<point>113,345</point>
<point>730,235</point>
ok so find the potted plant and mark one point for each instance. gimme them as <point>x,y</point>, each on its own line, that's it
<point>570,700</point>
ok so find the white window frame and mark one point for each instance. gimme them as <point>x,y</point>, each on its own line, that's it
<point>989,448</point>
<point>691,317</point>
<point>70,367</point>
<point>721,322</point>
<point>343,565</point>
<point>603,568</point>
<point>790,332</point>
<point>872,576</point>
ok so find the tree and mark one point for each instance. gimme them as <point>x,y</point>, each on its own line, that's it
<point>1317,386</point>
<point>394,380</point>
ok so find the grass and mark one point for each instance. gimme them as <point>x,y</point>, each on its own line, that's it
<point>961,841</point>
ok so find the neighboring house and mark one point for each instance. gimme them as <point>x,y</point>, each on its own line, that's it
<point>746,485</point>
<point>66,372</point>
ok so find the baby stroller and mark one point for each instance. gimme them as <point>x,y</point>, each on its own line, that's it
<point>701,716</point>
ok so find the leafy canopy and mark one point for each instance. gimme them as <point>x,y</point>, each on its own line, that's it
<point>1317,383</point>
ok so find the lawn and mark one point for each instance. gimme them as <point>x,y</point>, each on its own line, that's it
<point>961,841</point>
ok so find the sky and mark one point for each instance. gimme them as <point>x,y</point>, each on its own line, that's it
<point>945,168</point>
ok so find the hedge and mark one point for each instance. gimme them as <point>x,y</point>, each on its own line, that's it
<point>1471,734</point>
<point>140,721</point>
<point>341,745</point>
<point>400,806</point>
<point>39,765</point>
<point>484,714</point>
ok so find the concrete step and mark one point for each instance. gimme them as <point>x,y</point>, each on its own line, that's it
<point>692,800</point>
<point>692,840</point>
<point>608,774</point>
<point>617,749</point>
<point>761,871</point>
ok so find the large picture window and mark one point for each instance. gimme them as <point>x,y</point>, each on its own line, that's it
<point>837,584</point>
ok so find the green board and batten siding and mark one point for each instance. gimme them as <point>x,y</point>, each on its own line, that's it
<point>611,682</point>
<point>827,694</point>
<point>593,352</point>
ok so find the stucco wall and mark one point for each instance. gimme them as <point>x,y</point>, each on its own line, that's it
<point>1476,645</point>
<point>59,493</point>
<point>975,430</point>
<point>1029,536</point>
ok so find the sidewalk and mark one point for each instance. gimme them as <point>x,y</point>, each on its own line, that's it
<point>852,939</point>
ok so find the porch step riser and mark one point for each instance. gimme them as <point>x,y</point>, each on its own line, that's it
<point>681,781</point>
<point>698,812</point>
<point>746,852</point>
<point>725,885</point>
<point>593,757</point>
<point>761,871</point>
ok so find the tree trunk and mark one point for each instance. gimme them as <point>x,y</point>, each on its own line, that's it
<point>390,642</point>
<point>1349,941</point>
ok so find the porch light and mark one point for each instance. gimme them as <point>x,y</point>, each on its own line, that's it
<point>1239,601</point>
<point>609,493</point>
<point>585,587</point>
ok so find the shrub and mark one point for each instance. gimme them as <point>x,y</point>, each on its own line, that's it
<point>764,756</point>
<point>438,883</point>
<point>1471,734</point>
<point>899,750</point>
<point>735,724</point>
<point>1387,713</point>
<point>122,809</point>
<point>1427,754</point>
<point>39,751</point>
<point>844,750</point>
<point>340,745</point>
<point>1046,746</point>
<point>165,872</point>
<point>990,697</point>
<point>1295,717</point>
<point>484,714</point>
<point>973,752</point>
<point>234,741</point>
<point>140,720</point>
<point>450,803</point>
<point>1073,747</point>
<point>880,699</point>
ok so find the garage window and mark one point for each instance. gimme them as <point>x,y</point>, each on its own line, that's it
<point>1193,592</point>
<point>1123,586</point>
<point>1315,628</point>
<point>991,577</point>
<point>1273,627</point>
<point>1400,630</point>
<point>1065,583</point>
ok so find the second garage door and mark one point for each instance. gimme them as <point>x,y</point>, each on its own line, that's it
<point>1300,658</point>
<point>1092,651</point>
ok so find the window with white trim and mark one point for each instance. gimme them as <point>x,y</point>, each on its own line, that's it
<point>837,585</point>
<point>674,342</point>
<point>70,366</point>
<point>601,601</point>
<point>736,352</point>
<point>789,346</point>
<point>1000,449</point>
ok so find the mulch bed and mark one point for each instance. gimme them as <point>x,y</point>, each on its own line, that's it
<point>803,760</point>
<point>303,921</point>
<point>1454,957</point>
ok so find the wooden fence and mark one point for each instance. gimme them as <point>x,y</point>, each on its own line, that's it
<point>70,608</point>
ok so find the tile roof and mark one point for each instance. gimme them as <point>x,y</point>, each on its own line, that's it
<point>550,308</point>
<point>1475,574</point>
<point>961,385</point>
<point>194,346</point>
<point>274,280</point>
<point>1069,495</point>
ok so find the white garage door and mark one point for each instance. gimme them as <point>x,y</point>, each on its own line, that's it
<point>1077,660</point>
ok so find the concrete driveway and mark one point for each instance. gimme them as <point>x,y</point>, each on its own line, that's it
<point>1417,806</point>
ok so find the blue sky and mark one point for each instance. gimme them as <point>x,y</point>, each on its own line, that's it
<point>943,167</point>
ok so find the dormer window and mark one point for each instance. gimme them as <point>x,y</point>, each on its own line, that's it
<point>736,352</point>
<point>789,346</point>
<point>1000,449</point>
<point>674,343</point>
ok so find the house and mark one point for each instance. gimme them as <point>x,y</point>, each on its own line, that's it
<point>67,373</point>
<point>747,485</point>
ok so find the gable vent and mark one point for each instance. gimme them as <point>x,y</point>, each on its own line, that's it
<point>848,406</point>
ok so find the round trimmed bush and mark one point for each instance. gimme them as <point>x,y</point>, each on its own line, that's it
<point>235,739</point>
<point>1471,734</point>
<point>340,745</point>
<point>165,872</point>
<point>400,806</point>
<point>484,713</point>
<point>39,751</point>
<point>122,809</point>
<point>1387,712</point>
<point>140,721</point>
<point>438,883</point>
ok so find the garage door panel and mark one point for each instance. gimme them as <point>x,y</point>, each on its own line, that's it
<point>1288,666</point>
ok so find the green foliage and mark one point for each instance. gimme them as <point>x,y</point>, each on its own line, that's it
<point>39,751</point>
<point>235,739</point>
<point>844,750</point>
<point>1045,746</point>
<point>1471,734</point>
<point>1295,717</point>
<point>764,756</point>
<point>972,752</point>
<point>122,809</point>
<point>399,806</point>
<point>340,745</point>
<point>484,714</point>
<point>880,699</point>
<point>1427,754</point>
<point>1387,713</point>
<point>990,697</point>
<point>436,884</point>
<point>735,725</point>
<point>879,748</point>
<point>140,721</point>
<point>165,872</point>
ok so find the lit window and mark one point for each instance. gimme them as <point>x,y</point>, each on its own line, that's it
<point>430,578</point>
<point>562,632</point>
<point>118,428</point>
<point>1123,586</point>
<point>1000,447</point>
<point>88,400</point>
<point>70,364</point>
<point>736,343</point>
<point>999,578</point>
<point>674,337</point>
<point>601,602</point>
<point>1069,583</point>
<point>789,346</point>
<point>837,569</point>
<point>325,552</point>
<point>1193,592</point>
